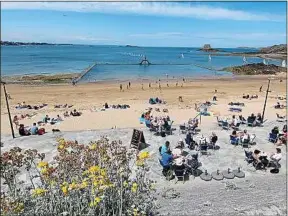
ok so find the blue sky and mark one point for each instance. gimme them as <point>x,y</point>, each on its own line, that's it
<point>189,24</point>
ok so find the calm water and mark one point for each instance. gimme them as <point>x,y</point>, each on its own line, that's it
<point>23,60</point>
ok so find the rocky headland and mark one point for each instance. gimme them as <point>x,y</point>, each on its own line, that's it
<point>256,69</point>
<point>271,52</point>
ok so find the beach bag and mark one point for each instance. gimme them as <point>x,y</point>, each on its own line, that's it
<point>41,131</point>
<point>274,171</point>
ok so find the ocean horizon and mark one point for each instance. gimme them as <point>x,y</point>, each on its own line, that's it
<point>116,62</point>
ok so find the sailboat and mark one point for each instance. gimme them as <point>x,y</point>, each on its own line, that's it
<point>244,60</point>
<point>264,62</point>
<point>182,55</point>
<point>210,58</point>
<point>283,63</point>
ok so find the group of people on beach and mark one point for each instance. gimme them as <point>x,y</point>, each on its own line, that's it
<point>33,130</point>
<point>176,159</point>
<point>35,107</point>
<point>261,160</point>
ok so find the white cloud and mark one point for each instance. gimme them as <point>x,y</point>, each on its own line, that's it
<point>210,35</point>
<point>148,8</point>
<point>158,35</point>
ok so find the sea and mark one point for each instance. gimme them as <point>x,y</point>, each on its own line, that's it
<point>119,62</point>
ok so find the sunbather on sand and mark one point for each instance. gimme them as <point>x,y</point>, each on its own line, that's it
<point>75,113</point>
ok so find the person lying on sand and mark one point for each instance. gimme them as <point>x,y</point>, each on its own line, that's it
<point>75,113</point>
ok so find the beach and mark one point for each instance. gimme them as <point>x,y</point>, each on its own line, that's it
<point>91,96</point>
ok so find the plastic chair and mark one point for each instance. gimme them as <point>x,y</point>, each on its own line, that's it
<point>273,138</point>
<point>234,140</point>
<point>225,125</point>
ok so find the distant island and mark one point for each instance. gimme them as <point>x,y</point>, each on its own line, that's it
<point>11,43</point>
<point>131,46</point>
<point>208,48</point>
<point>244,47</point>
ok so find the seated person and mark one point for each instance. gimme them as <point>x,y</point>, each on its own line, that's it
<point>16,121</point>
<point>213,139</point>
<point>234,136</point>
<point>257,162</point>
<point>194,124</point>
<point>234,121</point>
<point>66,114</point>
<point>23,131</point>
<point>165,147</point>
<point>275,131</point>
<point>277,106</point>
<point>282,139</point>
<point>166,161</point>
<point>189,140</point>
<point>34,129</point>
<point>179,166</point>
<point>245,138</point>
<point>46,119</point>
<point>177,152</point>
<point>59,118</point>
<point>251,119</point>
<point>106,106</point>
<point>258,119</point>
<point>284,128</point>
<point>242,119</point>
<point>193,163</point>
<point>166,125</point>
<point>276,156</point>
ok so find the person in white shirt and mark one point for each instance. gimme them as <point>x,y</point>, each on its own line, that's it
<point>177,152</point>
<point>276,156</point>
<point>245,138</point>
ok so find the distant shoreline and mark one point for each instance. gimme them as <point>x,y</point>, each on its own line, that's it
<point>64,79</point>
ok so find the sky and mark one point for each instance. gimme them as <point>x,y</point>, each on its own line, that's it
<point>168,24</point>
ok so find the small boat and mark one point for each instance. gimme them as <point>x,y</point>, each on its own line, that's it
<point>210,58</point>
<point>244,60</point>
<point>283,63</point>
<point>182,55</point>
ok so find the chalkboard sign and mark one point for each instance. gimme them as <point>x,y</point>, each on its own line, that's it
<point>138,140</point>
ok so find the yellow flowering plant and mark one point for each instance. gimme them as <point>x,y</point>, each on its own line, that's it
<point>93,179</point>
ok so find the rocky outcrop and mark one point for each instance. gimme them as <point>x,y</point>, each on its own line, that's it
<point>255,69</point>
<point>282,48</point>
<point>208,48</point>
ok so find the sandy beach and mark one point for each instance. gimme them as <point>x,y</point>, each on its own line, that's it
<point>85,97</point>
